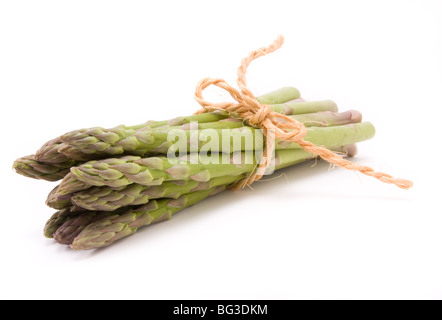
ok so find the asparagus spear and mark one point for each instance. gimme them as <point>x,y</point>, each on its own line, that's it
<point>31,168</point>
<point>57,201</point>
<point>56,220</point>
<point>54,150</point>
<point>278,96</point>
<point>93,230</point>
<point>94,143</point>
<point>302,107</point>
<point>49,152</point>
<point>118,172</point>
<point>107,199</point>
<point>110,199</point>
<point>315,119</point>
<point>65,226</point>
<point>71,227</point>
<point>248,138</point>
<point>114,227</point>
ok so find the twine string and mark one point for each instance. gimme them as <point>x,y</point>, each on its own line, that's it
<point>274,125</point>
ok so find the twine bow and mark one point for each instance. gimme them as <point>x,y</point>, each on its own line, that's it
<point>274,125</point>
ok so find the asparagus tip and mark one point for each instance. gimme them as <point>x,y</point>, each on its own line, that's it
<point>355,116</point>
<point>351,150</point>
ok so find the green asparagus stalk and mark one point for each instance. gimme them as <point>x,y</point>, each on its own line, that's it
<point>108,230</point>
<point>54,150</point>
<point>56,164</point>
<point>107,199</point>
<point>302,107</point>
<point>249,138</point>
<point>56,221</point>
<point>65,216</point>
<point>75,223</point>
<point>31,168</point>
<point>65,226</point>
<point>118,172</point>
<point>71,227</point>
<point>316,119</point>
<point>49,152</point>
<point>279,96</point>
<point>102,228</point>
<point>57,201</point>
<point>144,140</point>
<point>110,199</point>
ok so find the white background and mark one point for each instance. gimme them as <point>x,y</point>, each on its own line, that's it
<point>310,233</point>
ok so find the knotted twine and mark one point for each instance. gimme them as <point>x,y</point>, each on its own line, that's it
<point>274,125</point>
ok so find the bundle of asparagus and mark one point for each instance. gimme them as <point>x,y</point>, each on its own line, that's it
<point>114,181</point>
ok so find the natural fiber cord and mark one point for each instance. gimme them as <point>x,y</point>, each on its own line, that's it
<point>275,125</point>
